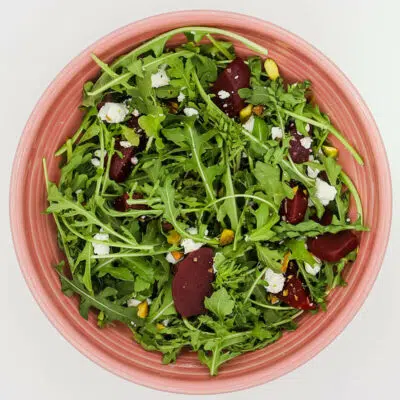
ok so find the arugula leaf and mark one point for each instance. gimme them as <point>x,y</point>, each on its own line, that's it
<point>220,303</point>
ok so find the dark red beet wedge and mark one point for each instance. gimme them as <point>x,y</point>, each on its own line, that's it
<point>326,218</point>
<point>294,210</point>
<point>294,293</point>
<point>120,203</point>
<point>121,168</point>
<point>298,153</point>
<point>192,282</point>
<point>333,246</point>
<point>234,77</point>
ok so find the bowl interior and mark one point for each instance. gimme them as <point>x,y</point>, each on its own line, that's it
<point>57,116</point>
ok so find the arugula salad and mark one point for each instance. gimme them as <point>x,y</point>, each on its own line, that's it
<point>200,202</point>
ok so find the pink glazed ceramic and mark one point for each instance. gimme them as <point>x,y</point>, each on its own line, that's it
<point>56,116</point>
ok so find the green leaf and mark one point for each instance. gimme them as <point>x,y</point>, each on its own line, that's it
<point>220,303</point>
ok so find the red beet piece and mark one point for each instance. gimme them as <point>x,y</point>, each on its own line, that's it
<point>120,203</point>
<point>326,218</point>
<point>298,153</point>
<point>294,210</point>
<point>166,226</point>
<point>234,77</point>
<point>121,168</point>
<point>294,293</point>
<point>332,246</point>
<point>133,123</point>
<point>192,282</point>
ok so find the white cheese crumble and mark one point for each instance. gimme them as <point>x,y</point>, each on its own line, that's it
<point>134,160</point>
<point>310,203</point>
<point>100,248</point>
<point>347,219</point>
<point>113,113</point>
<point>308,127</point>
<point>80,191</point>
<point>276,132</point>
<point>149,300</point>
<point>159,79</point>
<point>222,94</point>
<point>133,302</point>
<point>312,173</point>
<point>135,112</point>
<point>95,162</point>
<point>125,144</point>
<point>190,245</point>
<point>306,142</point>
<point>312,270</point>
<point>275,281</point>
<point>189,112</point>
<point>249,125</point>
<point>325,192</point>
<point>236,77</point>
<point>97,153</point>
<point>181,97</point>
<point>192,231</point>
<point>170,258</point>
<point>165,322</point>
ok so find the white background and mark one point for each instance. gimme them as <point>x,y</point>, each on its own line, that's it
<point>38,37</point>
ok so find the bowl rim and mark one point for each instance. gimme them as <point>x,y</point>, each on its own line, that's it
<point>257,377</point>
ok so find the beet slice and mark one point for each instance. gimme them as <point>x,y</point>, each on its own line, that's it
<point>326,218</point>
<point>166,226</point>
<point>133,123</point>
<point>294,210</point>
<point>298,153</point>
<point>234,77</point>
<point>120,203</point>
<point>333,247</point>
<point>192,282</point>
<point>294,293</point>
<point>121,168</point>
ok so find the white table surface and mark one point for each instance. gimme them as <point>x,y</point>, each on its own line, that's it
<point>38,37</point>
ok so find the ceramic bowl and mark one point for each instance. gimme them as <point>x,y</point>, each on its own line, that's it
<point>56,116</point>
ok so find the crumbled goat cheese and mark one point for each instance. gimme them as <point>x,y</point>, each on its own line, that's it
<point>308,127</point>
<point>312,173</point>
<point>275,281</point>
<point>312,270</point>
<point>190,245</point>
<point>192,231</point>
<point>325,192</point>
<point>100,248</point>
<point>276,132</point>
<point>249,125</point>
<point>134,160</point>
<point>222,94</point>
<point>306,142</point>
<point>189,112</point>
<point>113,112</point>
<point>236,77</point>
<point>159,79</point>
<point>170,258</point>
<point>125,144</point>
<point>133,302</point>
<point>95,162</point>
<point>181,97</point>
<point>135,112</point>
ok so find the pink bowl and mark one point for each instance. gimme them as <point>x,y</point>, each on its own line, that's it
<point>56,116</point>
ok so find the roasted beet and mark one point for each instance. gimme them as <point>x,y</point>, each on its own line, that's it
<point>294,210</point>
<point>234,77</point>
<point>326,218</point>
<point>133,123</point>
<point>120,203</point>
<point>121,168</point>
<point>192,282</point>
<point>294,293</point>
<point>298,153</point>
<point>333,246</point>
<point>166,226</point>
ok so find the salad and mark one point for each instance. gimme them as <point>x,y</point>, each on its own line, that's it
<point>200,201</point>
